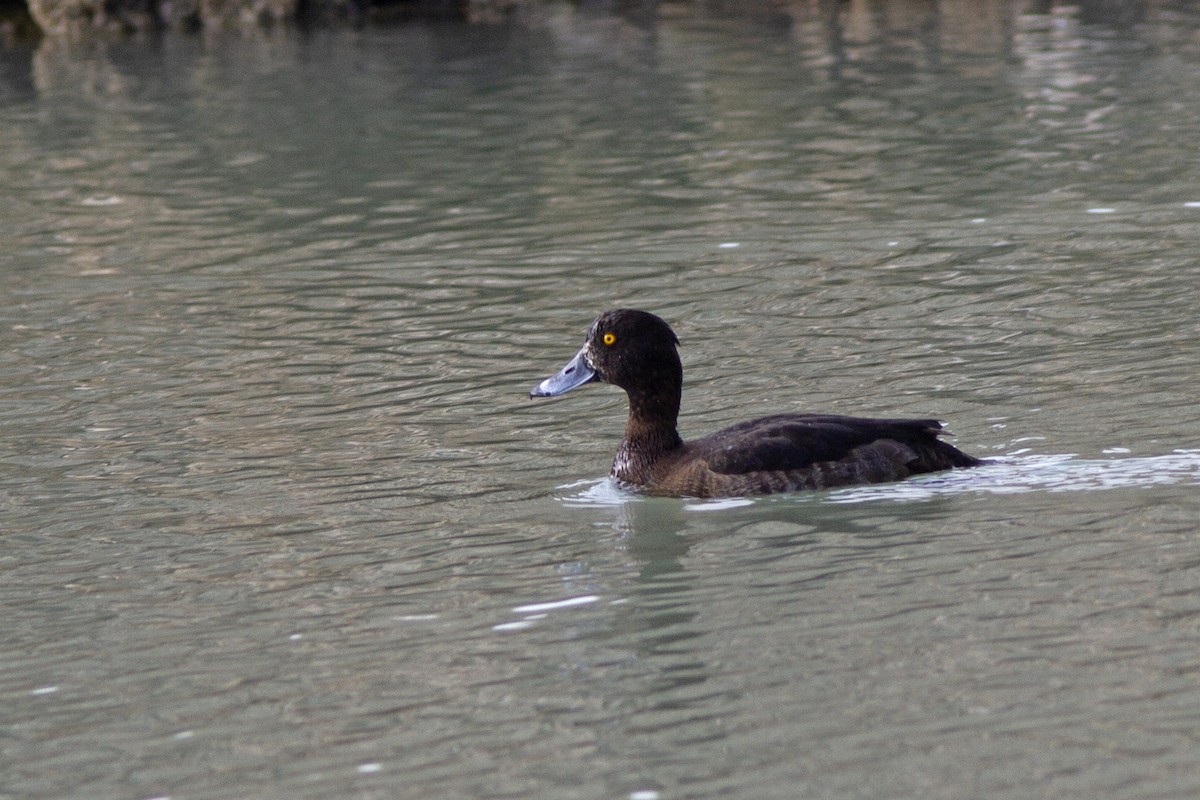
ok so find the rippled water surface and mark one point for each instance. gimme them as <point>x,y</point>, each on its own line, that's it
<point>280,520</point>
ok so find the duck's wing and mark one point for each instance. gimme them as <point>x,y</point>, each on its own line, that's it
<point>791,442</point>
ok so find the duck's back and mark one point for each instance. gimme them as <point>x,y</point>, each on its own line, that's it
<point>807,451</point>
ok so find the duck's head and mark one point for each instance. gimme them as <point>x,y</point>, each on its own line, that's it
<point>631,349</point>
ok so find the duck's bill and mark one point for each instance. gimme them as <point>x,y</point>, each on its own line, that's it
<point>575,374</point>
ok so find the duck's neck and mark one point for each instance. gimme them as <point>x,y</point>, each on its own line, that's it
<point>650,434</point>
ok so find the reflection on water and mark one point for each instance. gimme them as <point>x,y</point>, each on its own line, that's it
<point>278,512</point>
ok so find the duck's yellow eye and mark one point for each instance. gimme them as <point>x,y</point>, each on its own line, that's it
<point>610,339</point>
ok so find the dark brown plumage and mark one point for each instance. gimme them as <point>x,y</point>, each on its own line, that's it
<point>636,351</point>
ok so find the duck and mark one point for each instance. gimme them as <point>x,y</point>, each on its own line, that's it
<point>638,352</point>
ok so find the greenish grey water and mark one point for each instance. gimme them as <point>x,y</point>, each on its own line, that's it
<point>279,519</point>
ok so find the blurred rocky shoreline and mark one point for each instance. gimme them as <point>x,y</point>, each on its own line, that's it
<point>65,17</point>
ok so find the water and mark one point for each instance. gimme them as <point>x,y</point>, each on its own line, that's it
<point>280,520</point>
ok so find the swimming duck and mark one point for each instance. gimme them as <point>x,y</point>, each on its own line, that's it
<point>635,350</point>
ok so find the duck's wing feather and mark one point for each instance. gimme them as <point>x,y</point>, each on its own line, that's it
<point>790,442</point>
